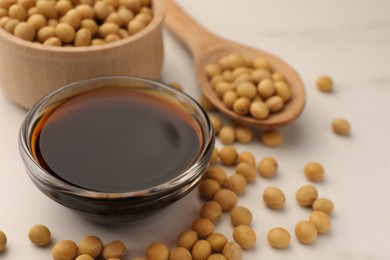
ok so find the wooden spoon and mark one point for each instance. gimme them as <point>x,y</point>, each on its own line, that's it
<point>207,48</point>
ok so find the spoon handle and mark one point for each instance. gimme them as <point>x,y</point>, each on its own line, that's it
<point>196,38</point>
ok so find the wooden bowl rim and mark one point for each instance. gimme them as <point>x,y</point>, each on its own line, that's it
<point>158,17</point>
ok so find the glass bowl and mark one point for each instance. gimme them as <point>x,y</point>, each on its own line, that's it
<point>123,206</point>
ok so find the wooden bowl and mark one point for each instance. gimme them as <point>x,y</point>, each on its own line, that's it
<point>28,71</point>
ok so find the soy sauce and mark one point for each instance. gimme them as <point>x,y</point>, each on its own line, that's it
<point>114,140</point>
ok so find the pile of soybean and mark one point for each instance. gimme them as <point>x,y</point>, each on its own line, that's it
<point>74,22</point>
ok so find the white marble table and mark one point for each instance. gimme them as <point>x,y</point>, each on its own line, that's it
<point>349,40</point>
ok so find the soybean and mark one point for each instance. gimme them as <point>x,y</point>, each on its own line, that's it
<point>39,235</point>
<point>244,236</point>
<point>279,237</point>
<point>267,167</point>
<point>3,241</point>
<point>306,195</point>
<point>64,250</point>
<point>306,232</point>
<point>157,251</point>
<point>91,245</point>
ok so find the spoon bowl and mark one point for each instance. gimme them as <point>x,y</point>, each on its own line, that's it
<point>208,48</point>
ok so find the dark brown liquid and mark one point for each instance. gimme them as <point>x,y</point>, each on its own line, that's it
<point>116,141</point>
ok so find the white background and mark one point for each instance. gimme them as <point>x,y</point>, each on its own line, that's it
<point>349,40</point>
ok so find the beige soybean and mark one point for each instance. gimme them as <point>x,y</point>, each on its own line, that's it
<point>203,227</point>
<point>275,104</point>
<point>133,5</point>
<point>245,236</point>
<point>83,37</point>
<point>260,74</point>
<point>243,134</point>
<point>112,38</point>
<point>64,250</point>
<point>180,253</point>
<point>306,232</point>
<point>232,251</point>
<point>227,135</point>
<point>187,239</point>
<point>157,251</point>
<point>201,250</point>
<point>242,78</point>
<point>10,25</point>
<point>341,126</point>
<point>239,71</point>
<point>91,25</point>
<point>216,257</point>
<point>84,257</point>
<point>283,90</point>
<point>246,89</point>
<point>53,41</point>
<point>321,220</point>
<point>236,183</point>
<point>3,21</point>
<point>271,138</point>
<point>45,33</point>
<point>37,21</point>
<point>91,245</point>
<point>246,157</point>
<point>242,106</point>
<point>24,31</point>
<point>39,235</point>
<point>259,110</point>
<point>325,84</point>
<point>247,170</point>
<point>279,238</point>
<point>266,88</point>
<point>3,241</point>
<point>211,210</point>
<point>218,174</point>
<point>47,8</point>
<point>306,195</point>
<point>217,241</point>
<point>274,198</point>
<point>101,10</point>
<point>211,70</point>
<point>217,123</point>
<point>125,14</point>
<point>228,155</point>
<point>107,29</point>
<point>267,167</point>
<point>17,11</point>
<point>314,171</point>
<point>72,18</point>
<point>85,11</point>
<point>276,76</point>
<point>135,26</point>
<point>63,6</point>
<point>324,205</point>
<point>27,3</point>
<point>226,198</point>
<point>65,32</point>
<point>241,216</point>
<point>114,249</point>
<point>223,87</point>
<point>261,63</point>
<point>229,97</point>
<point>207,188</point>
